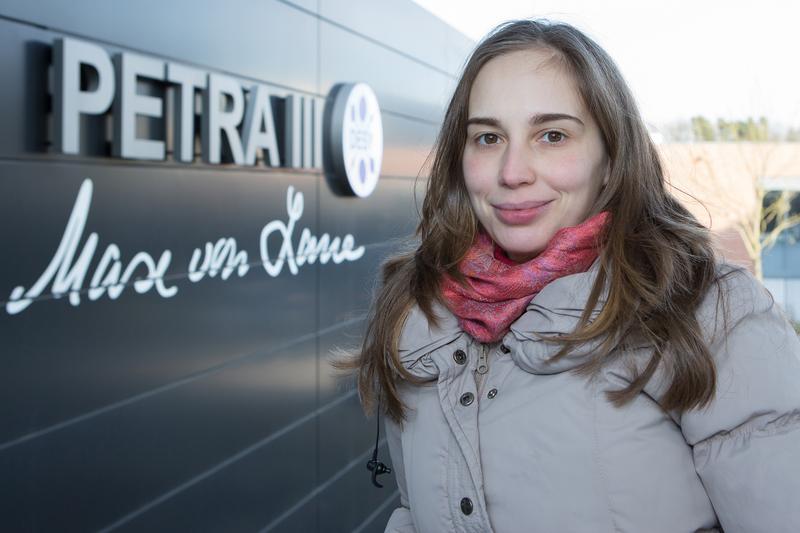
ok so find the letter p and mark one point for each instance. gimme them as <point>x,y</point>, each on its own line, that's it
<point>69,100</point>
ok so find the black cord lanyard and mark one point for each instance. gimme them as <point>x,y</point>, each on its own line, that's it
<point>376,467</point>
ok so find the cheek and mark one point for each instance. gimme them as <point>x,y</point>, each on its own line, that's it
<point>477,173</point>
<point>572,174</point>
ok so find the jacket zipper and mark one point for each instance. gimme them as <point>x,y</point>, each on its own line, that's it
<point>483,366</point>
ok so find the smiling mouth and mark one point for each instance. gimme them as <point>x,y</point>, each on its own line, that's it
<point>521,213</point>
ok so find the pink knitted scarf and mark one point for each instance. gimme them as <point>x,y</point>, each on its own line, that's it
<point>497,291</point>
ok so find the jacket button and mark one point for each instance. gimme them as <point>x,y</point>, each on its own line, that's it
<point>466,506</point>
<point>460,357</point>
<point>466,398</point>
<point>492,393</point>
<point>505,349</point>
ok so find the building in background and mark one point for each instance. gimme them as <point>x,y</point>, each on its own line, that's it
<point>782,261</point>
<point>178,266</point>
<point>727,185</point>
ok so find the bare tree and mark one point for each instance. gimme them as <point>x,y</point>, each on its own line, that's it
<point>763,228</point>
<point>725,185</point>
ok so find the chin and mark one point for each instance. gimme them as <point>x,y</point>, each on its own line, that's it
<point>526,252</point>
<point>521,257</point>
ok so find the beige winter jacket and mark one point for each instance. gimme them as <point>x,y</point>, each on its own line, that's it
<point>529,446</point>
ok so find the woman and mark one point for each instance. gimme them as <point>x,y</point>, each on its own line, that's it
<point>563,351</point>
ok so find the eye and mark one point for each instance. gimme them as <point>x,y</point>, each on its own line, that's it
<point>488,138</point>
<point>553,137</point>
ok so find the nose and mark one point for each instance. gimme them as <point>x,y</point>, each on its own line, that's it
<point>517,166</point>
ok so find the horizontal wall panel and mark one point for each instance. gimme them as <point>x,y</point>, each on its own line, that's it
<point>407,145</point>
<point>393,215</point>
<point>266,40</point>
<point>142,451</point>
<point>349,297</point>
<point>333,503</point>
<point>389,21</point>
<point>395,79</point>
<point>335,515</point>
<point>389,212</point>
<point>344,435</point>
<point>245,496</point>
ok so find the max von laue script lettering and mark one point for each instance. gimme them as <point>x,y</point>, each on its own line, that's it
<point>66,274</point>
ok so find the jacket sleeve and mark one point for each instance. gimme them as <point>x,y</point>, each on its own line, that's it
<point>746,443</point>
<point>401,520</point>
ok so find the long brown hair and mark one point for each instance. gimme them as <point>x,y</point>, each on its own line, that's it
<point>657,260</point>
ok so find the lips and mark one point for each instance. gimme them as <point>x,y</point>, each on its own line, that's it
<point>515,214</point>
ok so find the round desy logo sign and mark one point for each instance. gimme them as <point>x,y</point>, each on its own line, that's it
<point>354,139</point>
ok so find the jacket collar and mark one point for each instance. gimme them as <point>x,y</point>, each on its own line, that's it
<point>425,350</point>
<point>420,339</point>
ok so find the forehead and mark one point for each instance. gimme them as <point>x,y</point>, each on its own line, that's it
<point>525,82</point>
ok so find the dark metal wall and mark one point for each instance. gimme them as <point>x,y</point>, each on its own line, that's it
<point>214,409</point>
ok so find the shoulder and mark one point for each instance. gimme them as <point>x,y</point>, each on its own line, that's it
<point>756,354</point>
<point>753,344</point>
<point>737,305</point>
<point>735,296</point>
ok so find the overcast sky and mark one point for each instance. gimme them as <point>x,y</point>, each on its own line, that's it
<point>729,59</point>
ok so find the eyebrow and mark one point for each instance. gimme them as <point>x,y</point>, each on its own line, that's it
<point>535,120</point>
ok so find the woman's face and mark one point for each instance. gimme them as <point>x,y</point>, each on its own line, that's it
<point>534,161</point>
